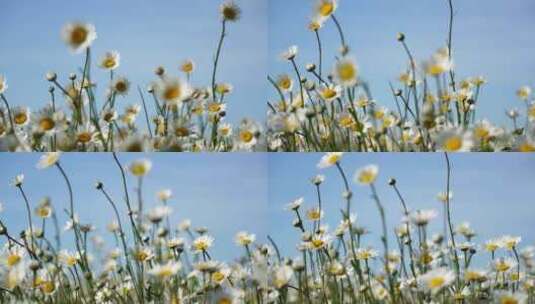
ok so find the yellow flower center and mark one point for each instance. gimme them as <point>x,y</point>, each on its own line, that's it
<point>453,143</point>
<point>187,67</point>
<point>121,86</point>
<point>347,71</point>
<point>246,136</point>
<point>172,93</point>
<point>366,177</point>
<point>21,118</point>
<point>141,256</point>
<point>508,300</point>
<point>328,93</point>
<point>79,35</point>
<point>436,282</point>
<point>333,158</point>
<point>346,121</point>
<point>84,137</point>
<point>230,13</point>
<point>326,8</point>
<point>224,301</point>
<point>48,287</point>
<point>218,276</point>
<point>317,243</point>
<point>109,63</point>
<point>481,132</point>
<point>502,267</point>
<point>47,124</point>
<point>13,259</point>
<point>526,147</point>
<point>214,107</point>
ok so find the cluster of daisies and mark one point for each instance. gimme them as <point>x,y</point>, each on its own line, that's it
<point>315,110</point>
<point>176,114</point>
<point>154,260</point>
<point>408,264</point>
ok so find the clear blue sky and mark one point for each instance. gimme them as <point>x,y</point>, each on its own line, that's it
<point>494,192</point>
<point>147,34</point>
<point>492,38</point>
<point>232,192</point>
<point>223,192</point>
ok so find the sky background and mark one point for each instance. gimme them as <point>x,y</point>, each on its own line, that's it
<point>146,34</point>
<point>226,193</point>
<point>232,192</point>
<point>492,38</point>
<point>494,192</point>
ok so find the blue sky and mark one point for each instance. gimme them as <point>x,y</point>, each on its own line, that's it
<point>232,192</point>
<point>147,34</point>
<point>494,192</point>
<point>492,38</point>
<point>225,192</point>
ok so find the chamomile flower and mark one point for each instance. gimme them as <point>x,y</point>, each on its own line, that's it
<point>329,159</point>
<point>439,63</point>
<point>18,180</point>
<point>202,243</point>
<point>78,36</point>
<point>422,217</point>
<point>140,167</point>
<point>366,175</point>
<point>120,86</point>
<point>454,140</point>
<point>524,93</point>
<point>345,72</point>
<point>187,66</point>
<point>164,194</point>
<point>44,209</point>
<point>110,60</point>
<point>21,116</point>
<point>244,239</point>
<point>290,53</point>
<point>230,11</point>
<point>282,276</point>
<point>172,90</point>
<point>284,82</point>
<point>164,271</point>
<point>325,8</point>
<point>437,279</point>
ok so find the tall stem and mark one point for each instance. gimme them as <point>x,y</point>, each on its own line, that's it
<point>450,226</point>
<point>28,210</point>
<point>125,188</point>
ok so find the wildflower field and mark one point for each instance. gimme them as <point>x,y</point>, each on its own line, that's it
<point>156,260</point>
<point>328,105</point>
<point>172,113</point>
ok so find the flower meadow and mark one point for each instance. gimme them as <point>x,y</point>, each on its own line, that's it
<point>155,260</point>
<point>329,106</point>
<point>170,114</point>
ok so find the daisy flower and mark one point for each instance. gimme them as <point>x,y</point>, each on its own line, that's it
<point>244,239</point>
<point>290,53</point>
<point>436,279</point>
<point>78,36</point>
<point>329,159</point>
<point>110,60</point>
<point>230,11</point>
<point>202,243</point>
<point>345,72</point>
<point>172,90</point>
<point>325,8</point>
<point>366,175</point>
<point>140,167</point>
